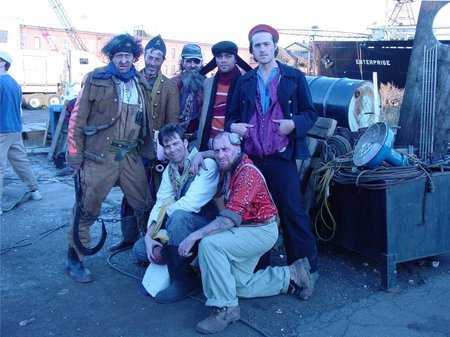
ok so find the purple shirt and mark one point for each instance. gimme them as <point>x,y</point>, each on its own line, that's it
<point>264,137</point>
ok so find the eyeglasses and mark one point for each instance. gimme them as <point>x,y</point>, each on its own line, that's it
<point>196,61</point>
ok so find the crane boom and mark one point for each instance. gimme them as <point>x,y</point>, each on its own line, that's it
<point>322,33</point>
<point>67,24</point>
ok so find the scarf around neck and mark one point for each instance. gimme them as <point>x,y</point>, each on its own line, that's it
<point>112,70</point>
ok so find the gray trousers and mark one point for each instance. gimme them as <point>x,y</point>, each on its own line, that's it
<point>227,262</point>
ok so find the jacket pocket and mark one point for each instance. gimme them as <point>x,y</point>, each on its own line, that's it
<point>94,157</point>
<point>101,93</point>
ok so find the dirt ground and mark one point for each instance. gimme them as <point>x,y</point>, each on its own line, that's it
<point>39,299</point>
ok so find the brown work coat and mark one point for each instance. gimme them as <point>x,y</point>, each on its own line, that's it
<point>99,105</point>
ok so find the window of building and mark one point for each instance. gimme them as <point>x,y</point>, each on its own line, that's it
<point>173,53</point>
<point>3,36</point>
<point>51,44</point>
<point>22,41</point>
<point>37,42</point>
<point>91,46</point>
<point>65,44</point>
<point>164,70</point>
<point>172,70</point>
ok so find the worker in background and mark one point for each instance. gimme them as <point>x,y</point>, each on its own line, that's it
<point>165,110</point>
<point>11,143</point>
<point>110,131</point>
<point>190,86</point>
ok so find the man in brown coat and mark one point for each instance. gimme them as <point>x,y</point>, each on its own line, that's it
<point>109,131</point>
<point>165,110</point>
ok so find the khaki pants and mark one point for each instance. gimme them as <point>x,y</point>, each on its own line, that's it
<point>12,149</point>
<point>98,180</point>
<point>227,262</point>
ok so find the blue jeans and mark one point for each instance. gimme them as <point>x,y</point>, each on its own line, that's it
<point>179,226</point>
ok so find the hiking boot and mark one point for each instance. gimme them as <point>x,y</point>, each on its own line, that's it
<point>219,319</point>
<point>301,282</point>
<point>75,267</point>
<point>122,245</point>
<point>35,195</point>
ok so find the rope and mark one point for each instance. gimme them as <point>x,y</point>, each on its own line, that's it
<point>339,170</point>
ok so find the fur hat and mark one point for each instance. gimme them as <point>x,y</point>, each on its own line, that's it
<point>192,51</point>
<point>224,47</point>
<point>157,43</point>
<point>124,43</point>
<point>5,56</point>
<point>264,28</point>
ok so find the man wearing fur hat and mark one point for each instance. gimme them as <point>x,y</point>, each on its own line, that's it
<point>165,110</point>
<point>110,129</point>
<point>273,111</point>
<point>190,86</point>
<point>218,90</point>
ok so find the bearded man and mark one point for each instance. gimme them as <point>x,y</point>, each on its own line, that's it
<point>190,86</point>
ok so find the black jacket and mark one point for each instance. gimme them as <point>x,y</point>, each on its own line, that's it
<point>295,101</point>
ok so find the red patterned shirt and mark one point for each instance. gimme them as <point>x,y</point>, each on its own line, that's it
<point>247,194</point>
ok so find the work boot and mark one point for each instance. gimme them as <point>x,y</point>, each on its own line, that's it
<point>219,319</point>
<point>304,293</point>
<point>75,267</point>
<point>301,282</point>
<point>122,245</point>
<point>184,281</point>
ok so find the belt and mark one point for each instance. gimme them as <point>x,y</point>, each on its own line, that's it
<point>123,147</point>
<point>259,223</point>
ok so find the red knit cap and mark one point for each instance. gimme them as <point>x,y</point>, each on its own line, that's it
<point>264,28</point>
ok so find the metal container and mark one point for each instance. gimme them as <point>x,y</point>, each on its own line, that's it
<point>350,102</point>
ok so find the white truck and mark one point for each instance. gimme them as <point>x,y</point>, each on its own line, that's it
<point>46,76</point>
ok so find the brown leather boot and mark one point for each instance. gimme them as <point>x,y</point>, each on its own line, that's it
<point>77,271</point>
<point>219,319</point>
<point>301,278</point>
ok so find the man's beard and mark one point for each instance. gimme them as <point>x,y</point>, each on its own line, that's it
<point>192,81</point>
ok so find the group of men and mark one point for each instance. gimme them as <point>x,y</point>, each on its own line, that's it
<point>236,135</point>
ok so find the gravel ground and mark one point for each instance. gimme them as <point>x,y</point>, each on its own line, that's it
<point>39,299</point>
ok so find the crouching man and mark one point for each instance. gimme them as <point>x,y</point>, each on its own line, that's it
<point>233,242</point>
<point>185,200</point>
